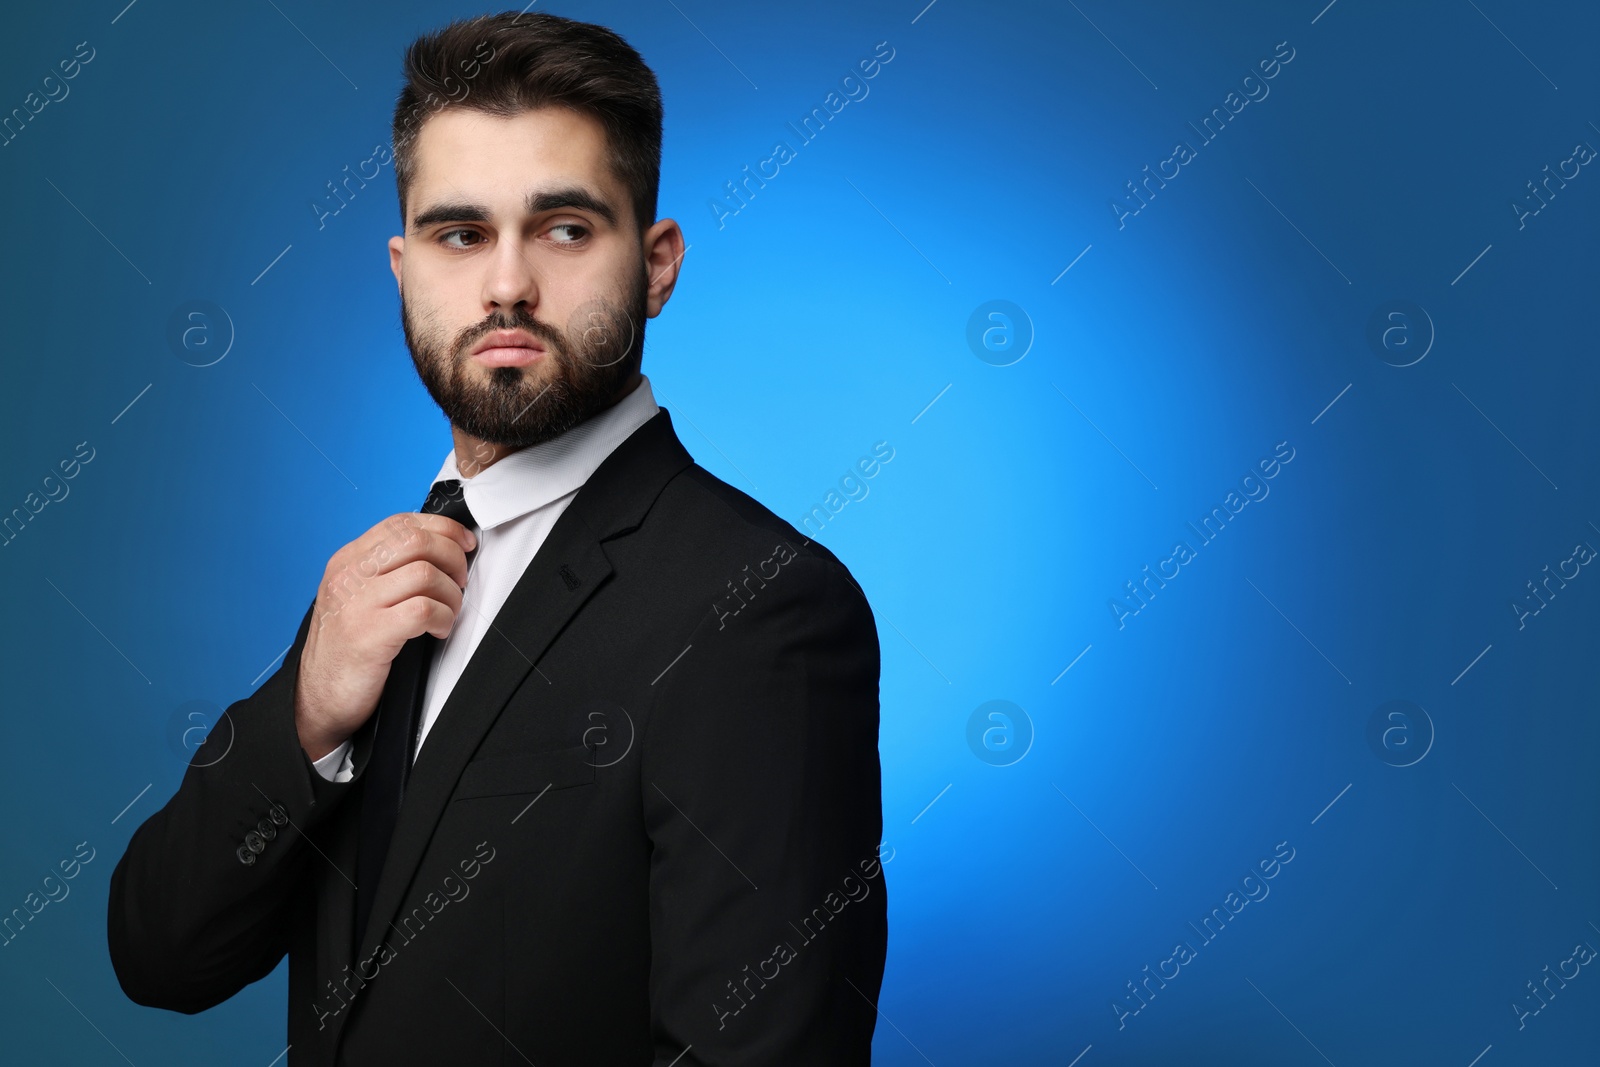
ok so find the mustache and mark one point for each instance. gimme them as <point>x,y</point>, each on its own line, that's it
<point>552,337</point>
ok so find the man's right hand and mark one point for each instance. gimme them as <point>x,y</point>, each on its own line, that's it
<point>399,580</point>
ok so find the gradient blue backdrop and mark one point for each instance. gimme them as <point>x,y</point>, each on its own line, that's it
<point>1157,757</point>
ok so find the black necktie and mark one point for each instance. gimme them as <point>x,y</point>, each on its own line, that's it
<point>399,715</point>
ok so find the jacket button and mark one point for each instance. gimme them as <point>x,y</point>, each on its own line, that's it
<point>246,857</point>
<point>255,842</point>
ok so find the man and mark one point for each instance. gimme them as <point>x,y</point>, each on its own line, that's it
<point>579,764</point>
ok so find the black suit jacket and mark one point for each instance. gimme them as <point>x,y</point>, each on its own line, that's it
<point>647,819</point>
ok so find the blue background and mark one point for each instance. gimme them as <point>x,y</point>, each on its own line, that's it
<point>1037,867</point>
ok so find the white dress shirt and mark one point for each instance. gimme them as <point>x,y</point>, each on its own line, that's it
<point>515,501</point>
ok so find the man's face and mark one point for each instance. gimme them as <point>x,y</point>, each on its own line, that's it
<point>522,275</point>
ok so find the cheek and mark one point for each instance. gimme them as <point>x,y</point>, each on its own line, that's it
<point>434,330</point>
<point>598,333</point>
<point>581,305</point>
<point>444,298</point>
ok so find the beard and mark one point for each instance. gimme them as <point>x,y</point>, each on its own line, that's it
<point>579,375</point>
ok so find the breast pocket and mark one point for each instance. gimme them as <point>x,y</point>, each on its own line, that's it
<point>527,772</point>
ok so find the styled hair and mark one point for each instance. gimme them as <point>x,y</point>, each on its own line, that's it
<point>511,62</point>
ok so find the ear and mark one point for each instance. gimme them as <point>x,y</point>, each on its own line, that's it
<point>397,245</point>
<point>663,258</point>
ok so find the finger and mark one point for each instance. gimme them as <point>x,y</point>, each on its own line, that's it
<point>432,546</point>
<point>421,614</point>
<point>397,535</point>
<point>418,578</point>
<point>460,533</point>
<point>444,552</point>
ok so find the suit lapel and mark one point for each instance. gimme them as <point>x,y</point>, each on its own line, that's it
<point>614,500</point>
<point>535,612</point>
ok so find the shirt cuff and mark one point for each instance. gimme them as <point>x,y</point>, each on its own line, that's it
<point>336,766</point>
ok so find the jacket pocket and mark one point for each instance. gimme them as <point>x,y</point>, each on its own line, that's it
<point>526,772</point>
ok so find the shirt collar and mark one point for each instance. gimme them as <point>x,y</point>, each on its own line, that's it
<point>532,477</point>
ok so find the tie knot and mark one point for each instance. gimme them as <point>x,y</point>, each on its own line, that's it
<point>446,498</point>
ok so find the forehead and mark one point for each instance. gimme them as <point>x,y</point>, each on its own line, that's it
<point>495,159</point>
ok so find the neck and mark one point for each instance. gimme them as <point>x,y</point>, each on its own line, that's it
<point>475,455</point>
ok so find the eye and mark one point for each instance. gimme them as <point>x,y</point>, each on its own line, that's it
<point>569,233</point>
<point>444,238</point>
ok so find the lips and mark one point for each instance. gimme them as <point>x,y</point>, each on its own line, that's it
<point>508,348</point>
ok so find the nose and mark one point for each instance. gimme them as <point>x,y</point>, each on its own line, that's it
<point>511,281</point>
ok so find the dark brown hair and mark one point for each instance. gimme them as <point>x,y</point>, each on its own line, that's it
<point>508,63</point>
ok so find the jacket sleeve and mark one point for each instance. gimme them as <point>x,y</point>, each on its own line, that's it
<point>201,901</point>
<point>761,792</point>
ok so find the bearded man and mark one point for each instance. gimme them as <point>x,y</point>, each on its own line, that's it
<point>577,764</point>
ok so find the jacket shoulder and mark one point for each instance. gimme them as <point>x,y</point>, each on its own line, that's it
<point>720,516</point>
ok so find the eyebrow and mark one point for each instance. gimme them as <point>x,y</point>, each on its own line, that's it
<point>570,197</point>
